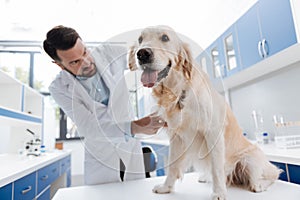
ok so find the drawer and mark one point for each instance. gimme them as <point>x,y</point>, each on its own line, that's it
<point>45,195</point>
<point>69,178</point>
<point>283,176</point>
<point>65,164</point>
<point>294,172</point>
<point>47,175</point>
<point>6,192</point>
<point>24,188</point>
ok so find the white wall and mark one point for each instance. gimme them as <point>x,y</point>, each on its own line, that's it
<point>77,156</point>
<point>5,139</point>
<point>50,126</point>
<point>277,93</point>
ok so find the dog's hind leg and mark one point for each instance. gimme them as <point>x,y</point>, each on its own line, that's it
<point>176,166</point>
<point>204,171</point>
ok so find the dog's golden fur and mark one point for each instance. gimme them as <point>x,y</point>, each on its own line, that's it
<point>201,126</point>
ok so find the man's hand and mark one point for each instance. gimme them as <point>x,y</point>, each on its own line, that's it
<point>148,125</point>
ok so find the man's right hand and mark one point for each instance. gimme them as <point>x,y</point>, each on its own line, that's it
<point>148,125</point>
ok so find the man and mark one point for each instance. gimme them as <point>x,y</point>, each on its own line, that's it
<point>91,90</point>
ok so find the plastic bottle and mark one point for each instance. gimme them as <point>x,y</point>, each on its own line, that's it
<point>265,138</point>
<point>42,149</point>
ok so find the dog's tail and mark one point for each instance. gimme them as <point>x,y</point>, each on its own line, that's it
<point>272,173</point>
<point>240,174</point>
<point>249,169</point>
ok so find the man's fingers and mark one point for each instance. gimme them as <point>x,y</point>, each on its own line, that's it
<point>154,114</point>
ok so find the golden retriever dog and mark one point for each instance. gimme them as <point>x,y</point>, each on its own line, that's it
<point>202,128</point>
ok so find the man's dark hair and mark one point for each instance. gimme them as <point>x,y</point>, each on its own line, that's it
<point>59,38</point>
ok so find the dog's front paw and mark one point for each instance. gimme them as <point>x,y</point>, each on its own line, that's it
<point>162,189</point>
<point>218,196</point>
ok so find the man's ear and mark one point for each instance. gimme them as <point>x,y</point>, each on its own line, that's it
<point>59,64</point>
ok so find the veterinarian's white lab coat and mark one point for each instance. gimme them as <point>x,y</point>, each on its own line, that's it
<point>104,127</point>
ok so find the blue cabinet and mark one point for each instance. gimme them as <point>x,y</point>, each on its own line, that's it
<point>25,187</point>
<point>216,61</point>
<point>45,195</point>
<point>202,60</point>
<point>221,58</point>
<point>65,167</point>
<point>290,172</point>
<point>283,176</point>
<point>6,192</point>
<point>294,172</point>
<point>249,37</point>
<point>277,25</point>
<point>65,164</point>
<point>38,184</point>
<point>231,58</point>
<point>47,175</point>
<point>265,29</point>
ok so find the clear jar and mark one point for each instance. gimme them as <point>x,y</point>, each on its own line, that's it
<point>259,126</point>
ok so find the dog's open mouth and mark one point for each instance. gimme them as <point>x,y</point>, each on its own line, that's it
<point>150,77</point>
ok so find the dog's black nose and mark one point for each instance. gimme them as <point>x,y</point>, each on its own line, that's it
<point>145,55</point>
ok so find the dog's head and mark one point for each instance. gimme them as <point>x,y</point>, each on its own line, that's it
<point>157,51</point>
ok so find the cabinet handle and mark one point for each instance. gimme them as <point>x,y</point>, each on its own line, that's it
<point>45,177</point>
<point>26,190</point>
<point>259,48</point>
<point>265,48</point>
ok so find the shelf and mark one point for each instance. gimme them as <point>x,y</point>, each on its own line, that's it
<point>14,118</point>
<point>33,102</point>
<point>11,95</point>
<point>21,108</point>
<point>18,97</point>
<point>11,92</point>
<point>7,79</point>
<point>279,61</point>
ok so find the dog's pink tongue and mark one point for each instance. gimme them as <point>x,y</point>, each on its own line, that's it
<point>149,78</point>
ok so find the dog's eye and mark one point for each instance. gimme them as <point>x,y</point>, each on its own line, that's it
<point>140,39</point>
<point>164,38</point>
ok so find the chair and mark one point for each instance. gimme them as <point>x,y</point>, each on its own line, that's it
<point>150,160</point>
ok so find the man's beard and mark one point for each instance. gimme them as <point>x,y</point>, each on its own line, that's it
<point>88,71</point>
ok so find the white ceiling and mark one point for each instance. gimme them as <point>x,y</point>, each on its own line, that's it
<point>98,20</point>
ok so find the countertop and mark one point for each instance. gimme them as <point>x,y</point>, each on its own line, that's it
<point>14,166</point>
<point>291,156</point>
<point>188,189</point>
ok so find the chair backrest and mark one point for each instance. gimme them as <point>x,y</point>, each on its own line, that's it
<point>150,159</point>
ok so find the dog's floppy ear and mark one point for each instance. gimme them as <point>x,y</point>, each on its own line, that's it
<point>186,61</point>
<point>131,58</point>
